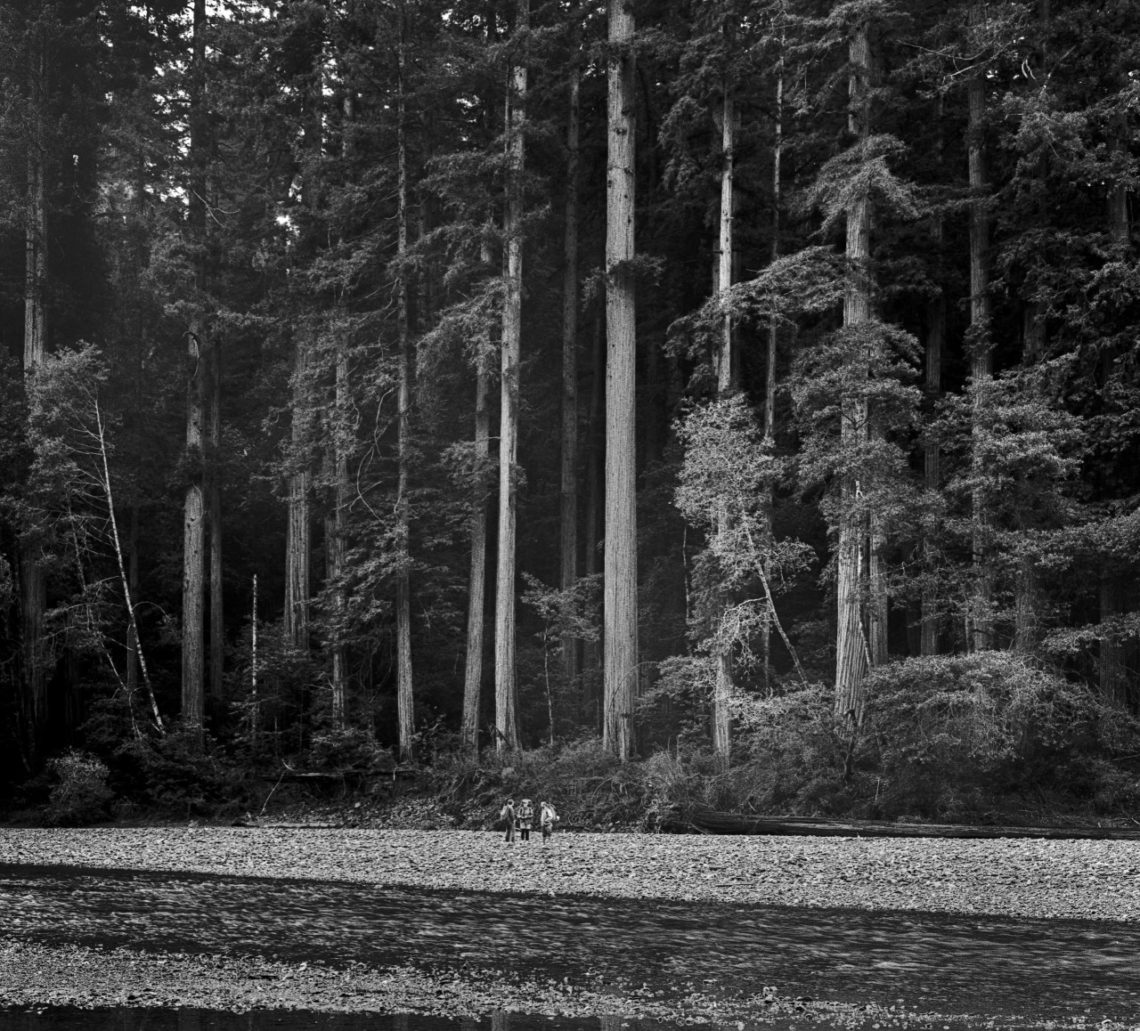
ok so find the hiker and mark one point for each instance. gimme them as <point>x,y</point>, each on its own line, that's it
<point>526,819</point>
<point>546,817</point>
<point>507,815</point>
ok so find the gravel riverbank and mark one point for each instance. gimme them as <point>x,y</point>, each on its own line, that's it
<point>1093,880</point>
<point>1058,880</point>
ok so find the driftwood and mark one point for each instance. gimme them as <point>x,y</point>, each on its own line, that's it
<point>711,821</point>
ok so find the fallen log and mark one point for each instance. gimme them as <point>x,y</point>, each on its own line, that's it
<point>712,821</point>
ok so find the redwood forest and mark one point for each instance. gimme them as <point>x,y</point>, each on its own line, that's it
<point>731,403</point>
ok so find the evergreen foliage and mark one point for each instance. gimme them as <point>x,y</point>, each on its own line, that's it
<point>272,259</point>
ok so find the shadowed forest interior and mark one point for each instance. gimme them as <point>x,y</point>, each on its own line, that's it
<point>746,387</point>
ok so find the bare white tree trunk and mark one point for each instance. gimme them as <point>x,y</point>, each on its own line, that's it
<point>723,683</point>
<point>124,579</point>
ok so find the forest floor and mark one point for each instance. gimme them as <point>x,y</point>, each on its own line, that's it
<point>1028,880</point>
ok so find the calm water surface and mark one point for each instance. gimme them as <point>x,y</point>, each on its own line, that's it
<point>1056,970</point>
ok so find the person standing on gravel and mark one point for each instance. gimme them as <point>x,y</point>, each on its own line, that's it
<point>526,819</point>
<point>507,815</point>
<point>546,818</point>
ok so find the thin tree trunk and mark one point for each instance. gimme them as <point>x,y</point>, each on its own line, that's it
<point>35,344</point>
<point>569,470</point>
<point>620,647</point>
<point>335,530</point>
<point>404,698</point>
<point>852,648</point>
<point>124,579</point>
<point>981,348</point>
<point>773,339</point>
<point>254,701</point>
<point>506,726</point>
<point>214,502</point>
<point>298,528</point>
<point>341,445</point>
<point>932,455</point>
<point>595,459</point>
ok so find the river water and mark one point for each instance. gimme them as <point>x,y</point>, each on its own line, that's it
<point>1055,970</point>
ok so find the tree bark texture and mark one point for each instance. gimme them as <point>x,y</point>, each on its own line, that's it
<point>299,514</point>
<point>852,648</point>
<point>569,456</point>
<point>194,543</point>
<point>506,723</point>
<point>981,345</point>
<point>723,682</point>
<point>335,533</point>
<point>620,565</point>
<point>214,514</point>
<point>404,699</point>
<point>477,579</point>
<point>194,504</point>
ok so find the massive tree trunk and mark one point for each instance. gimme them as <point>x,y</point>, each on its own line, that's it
<point>35,344</point>
<point>477,580</point>
<point>620,647</point>
<point>722,687</point>
<point>569,469</point>
<point>980,345</point>
<point>193,513</point>
<point>477,577</point>
<point>404,699</point>
<point>506,727</point>
<point>852,647</point>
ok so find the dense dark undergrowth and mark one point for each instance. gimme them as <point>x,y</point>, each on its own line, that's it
<point>981,739</point>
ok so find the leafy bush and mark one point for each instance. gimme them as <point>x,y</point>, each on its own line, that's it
<point>80,794</point>
<point>950,734</point>
<point>351,749</point>
<point>176,775</point>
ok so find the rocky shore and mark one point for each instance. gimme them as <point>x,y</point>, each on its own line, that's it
<point>1059,880</point>
<point>1092,880</point>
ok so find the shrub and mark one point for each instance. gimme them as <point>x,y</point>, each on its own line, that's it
<point>176,774</point>
<point>80,793</point>
<point>950,734</point>
<point>351,749</point>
